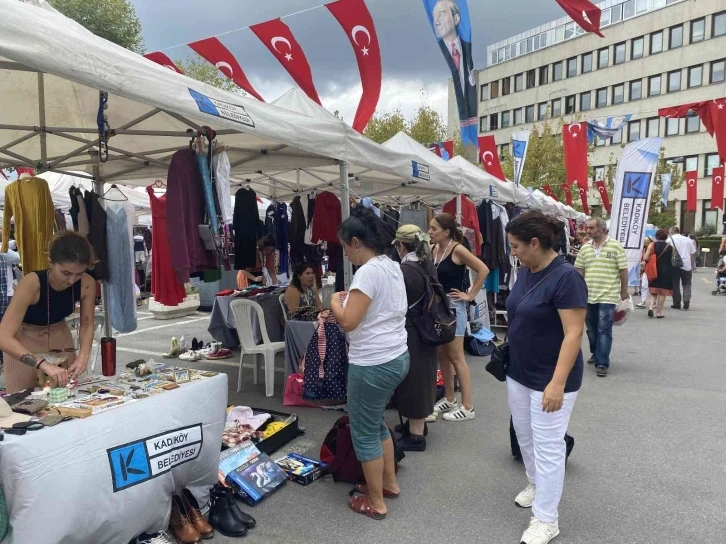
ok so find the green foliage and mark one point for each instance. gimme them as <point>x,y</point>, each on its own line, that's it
<point>114,20</point>
<point>658,216</point>
<point>426,127</point>
<point>197,68</point>
<point>383,127</point>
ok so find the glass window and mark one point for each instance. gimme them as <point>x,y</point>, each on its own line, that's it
<point>718,71</point>
<point>543,40</point>
<point>599,142</point>
<point>578,30</point>
<point>674,81</point>
<point>637,47</point>
<point>572,67</point>
<point>505,119</point>
<point>531,78</point>
<point>652,127</point>
<point>619,53</point>
<point>654,85</point>
<point>691,164</point>
<point>544,73</point>
<point>616,14</point>
<point>518,116</point>
<point>559,34</point>
<point>513,50</point>
<point>484,92</point>
<point>676,37</point>
<point>698,30</point>
<point>503,150</point>
<point>585,101</point>
<point>603,58</point>
<point>636,89</point>
<point>570,104</point>
<point>529,114</point>
<point>483,123</point>
<point>494,121</point>
<point>586,63</point>
<point>641,6</point>
<point>556,107</point>
<point>695,76</point>
<point>495,59</point>
<point>530,45</point>
<point>628,9</point>
<point>618,94</point>
<point>693,124</point>
<point>605,17</point>
<point>672,127</point>
<point>633,131</point>
<point>602,98</point>
<point>712,161</point>
<point>506,86</point>
<point>557,71</point>
<point>542,111</point>
<point>518,82</point>
<point>494,89</point>
<point>709,217</point>
<point>719,24</point>
<point>656,42</point>
<point>569,30</point>
<point>522,47</point>
<point>536,42</point>
<point>617,137</point>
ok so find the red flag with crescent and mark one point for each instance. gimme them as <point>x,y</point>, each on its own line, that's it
<point>583,197</point>
<point>215,52</point>
<point>160,58</point>
<point>713,117</point>
<point>549,192</point>
<point>278,38</point>
<point>603,190</point>
<point>356,20</point>
<point>20,170</point>
<point>574,140</point>
<point>584,13</point>
<point>568,194</point>
<point>692,191</point>
<point>717,188</point>
<point>490,158</point>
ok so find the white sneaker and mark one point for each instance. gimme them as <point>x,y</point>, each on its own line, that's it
<point>444,405</point>
<point>432,418</point>
<point>526,498</point>
<point>190,356</point>
<point>159,538</point>
<point>540,532</point>
<point>459,413</point>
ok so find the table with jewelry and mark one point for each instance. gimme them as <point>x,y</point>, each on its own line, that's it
<point>109,477</point>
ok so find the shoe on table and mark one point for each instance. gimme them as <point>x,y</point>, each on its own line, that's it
<point>460,414</point>
<point>602,371</point>
<point>444,405</point>
<point>526,498</point>
<point>412,442</point>
<point>540,532</point>
<point>686,304</point>
<point>592,360</point>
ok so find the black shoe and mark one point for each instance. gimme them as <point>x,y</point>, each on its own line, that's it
<point>403,429</point>
<point>686,305</point>
<point>223,514</point>
<point>676,306</point>
<point>602,371</point>
<point>650,312</point>
<point>412,442</point>
<point>592,361</point>
<point>245,518</point>
<point>569,445</point>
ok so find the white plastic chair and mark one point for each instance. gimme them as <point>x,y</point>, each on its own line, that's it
<point>242,311</point>
<point>283,306</point>
<point>325,294</point>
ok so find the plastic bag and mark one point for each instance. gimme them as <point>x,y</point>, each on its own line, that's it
<point>622,311</point>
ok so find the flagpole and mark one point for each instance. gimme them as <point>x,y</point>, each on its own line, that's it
<point>345,208</point>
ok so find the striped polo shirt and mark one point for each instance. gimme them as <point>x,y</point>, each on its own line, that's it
<point>602,270</point>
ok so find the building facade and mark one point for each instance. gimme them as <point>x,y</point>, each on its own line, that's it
<point>655,54</point>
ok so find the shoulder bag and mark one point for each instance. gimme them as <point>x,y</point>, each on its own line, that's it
<point>676,260</point>
<point>651,267</point>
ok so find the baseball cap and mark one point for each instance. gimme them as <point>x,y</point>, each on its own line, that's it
<point>8,417</point>
<point>409,234</point>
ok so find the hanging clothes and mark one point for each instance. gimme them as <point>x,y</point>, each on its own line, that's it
<point>367,202</point>
<point>206,175</point>
<point>486,223</point>
<point>60,221</point>
<point>73,210</point>
<point>390,217</point>
<point>296,231</point>
<point>327,218</point>
<point>222,168</point>
<point>309,216</point>
<point>281,224</point>
<point>28,200</point>
<point>469,219</point>
<point>121,296</point>
<point>271,223</point>
<point>184,214</point>
<point>98,238</point>
<point>165,287</point>
<point>410,216</point>
<point>247,226</point>
<point>84,226</point>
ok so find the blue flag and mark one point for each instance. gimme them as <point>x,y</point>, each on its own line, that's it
<point>665,181</point>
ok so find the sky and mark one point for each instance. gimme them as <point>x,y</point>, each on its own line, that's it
<point>412,60</point>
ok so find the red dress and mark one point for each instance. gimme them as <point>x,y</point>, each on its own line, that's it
<point>165,286</point>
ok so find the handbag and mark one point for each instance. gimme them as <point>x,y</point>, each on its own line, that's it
<point>499,363</point>
<point>676,260</point>
<point>651,267</point>
<point>293,395</point>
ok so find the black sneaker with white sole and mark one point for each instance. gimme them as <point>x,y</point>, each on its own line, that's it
<point>602,371</point>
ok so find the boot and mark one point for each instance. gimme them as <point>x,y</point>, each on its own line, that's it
<point>247,520</point>
<point>206,531</point>
<point>222,515</point>
<point>183,529</point>
<point>412,442</point>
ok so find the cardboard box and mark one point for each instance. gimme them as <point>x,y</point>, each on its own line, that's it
<point>302,470</point>
<point>253,475</point>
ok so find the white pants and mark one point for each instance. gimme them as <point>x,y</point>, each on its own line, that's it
<point>541,440</point>
<point>644,289</point>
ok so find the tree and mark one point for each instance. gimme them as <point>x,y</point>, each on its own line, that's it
<point>114,20</point>
<point>658,216</point>
<point>383,127</point>
<point>197,68</point>
<point>426,127</point>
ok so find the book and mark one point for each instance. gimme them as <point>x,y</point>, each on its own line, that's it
<point>250,473</point>
<point>302,470</point>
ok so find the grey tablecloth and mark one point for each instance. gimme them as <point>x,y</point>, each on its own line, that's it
<point>297,338</point>
<point>222,326</point>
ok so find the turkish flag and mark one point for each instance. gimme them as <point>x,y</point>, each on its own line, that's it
<point>278,38</point>
<point>691,191</point>
<point>574,140</point>
<point>549,192</point>
<point>717,188</point>
<point>356,20</point>
<point>584,13</point>
<point>603,194</point>
<point>583,197</point>
<point>713,117</point>
<point>445,150</point>
<point>489,157</point>
<point>215,52</point>
<point>160,58</point>
<point>568,194</point>
<point>449,146</point>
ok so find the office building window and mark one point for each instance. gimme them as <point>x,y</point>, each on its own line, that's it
<point>600,142</point>
<point>531,78</point>
<point>672,127</point>
<point>544,75</point>
<point>494,89</point>
<point>695,76</point>
<point>484,92</point>
<point>718,26</point>
<point>542,111</point>
<point>628,9</point>
<point>505,119</point>
<point>483,123</point>
<point>654,85</point>
<point>652,127</point>
<point>618,94</point>
<point>503,150</point>
<point>585,101</point>
<point>637,48</point>
<point>603,58</point>
<point>518,83</point>
<point>718,71</point>
<point>529,114</point>
<point>494,121</point>
<point>674,81</point>
<point>619,53</point>
<point>601,99</point>
<point>586,63</point>
<point>656,42</point>
<point>572,67</point>
<point>693,124</point>
<point>698,30</point>
<point>616,14</point>
<point>712,161</point>
<point>617,137</point>
<point>641,6</point>
<point>676,37</point>
<point>691,164</point>
<point>557,71</point>
<point>633,131</point>
<point>506,86</point>
<point>518,116</point>
<point>570,104</point>
<point>636,89</point>
<point>557,107</point>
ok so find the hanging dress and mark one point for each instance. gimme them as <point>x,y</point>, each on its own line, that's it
<point>165,286</point>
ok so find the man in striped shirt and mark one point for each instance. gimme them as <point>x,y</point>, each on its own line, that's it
<point>603,264</point>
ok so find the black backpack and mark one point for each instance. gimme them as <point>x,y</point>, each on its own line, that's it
<point>437,325</point>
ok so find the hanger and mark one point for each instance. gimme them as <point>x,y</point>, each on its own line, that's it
<point>125,198</point>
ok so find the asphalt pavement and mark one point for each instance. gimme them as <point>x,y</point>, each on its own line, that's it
<point>648,463</point>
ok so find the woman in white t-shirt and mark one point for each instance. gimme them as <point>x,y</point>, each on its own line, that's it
<point>374,315</point>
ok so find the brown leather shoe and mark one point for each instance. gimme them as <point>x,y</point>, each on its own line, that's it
<point>183,529</point>
<point>195,516</point>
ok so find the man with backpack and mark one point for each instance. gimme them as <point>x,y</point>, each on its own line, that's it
<point>682,262</point>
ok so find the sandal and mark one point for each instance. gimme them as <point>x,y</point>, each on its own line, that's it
<point>363,489</point>
<point>362,505</point>
<point>660,317</point>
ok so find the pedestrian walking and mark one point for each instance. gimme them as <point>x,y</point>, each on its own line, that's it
<point>644,293</point>
<point>683,276</point>
<point>661,286</point>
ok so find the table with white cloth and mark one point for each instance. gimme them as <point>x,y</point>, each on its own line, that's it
<point>109,477</point>
<point>222,325</point>
<point>297,338</point>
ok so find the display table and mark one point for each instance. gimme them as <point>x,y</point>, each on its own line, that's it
<point>222,325</point>
<point>109,477</point>
<point>297,337</point>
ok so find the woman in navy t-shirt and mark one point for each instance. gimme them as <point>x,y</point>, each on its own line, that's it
<point>546,314</point>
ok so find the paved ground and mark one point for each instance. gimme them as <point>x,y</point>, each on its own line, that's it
<point>648,464</point>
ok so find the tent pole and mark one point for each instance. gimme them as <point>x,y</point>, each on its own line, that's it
<point>458,208</point>
<point>98,189</point>
<point>345,206</point>
<point>41,118</point>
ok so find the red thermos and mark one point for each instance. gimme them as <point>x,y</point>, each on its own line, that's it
<point>108,356</point>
